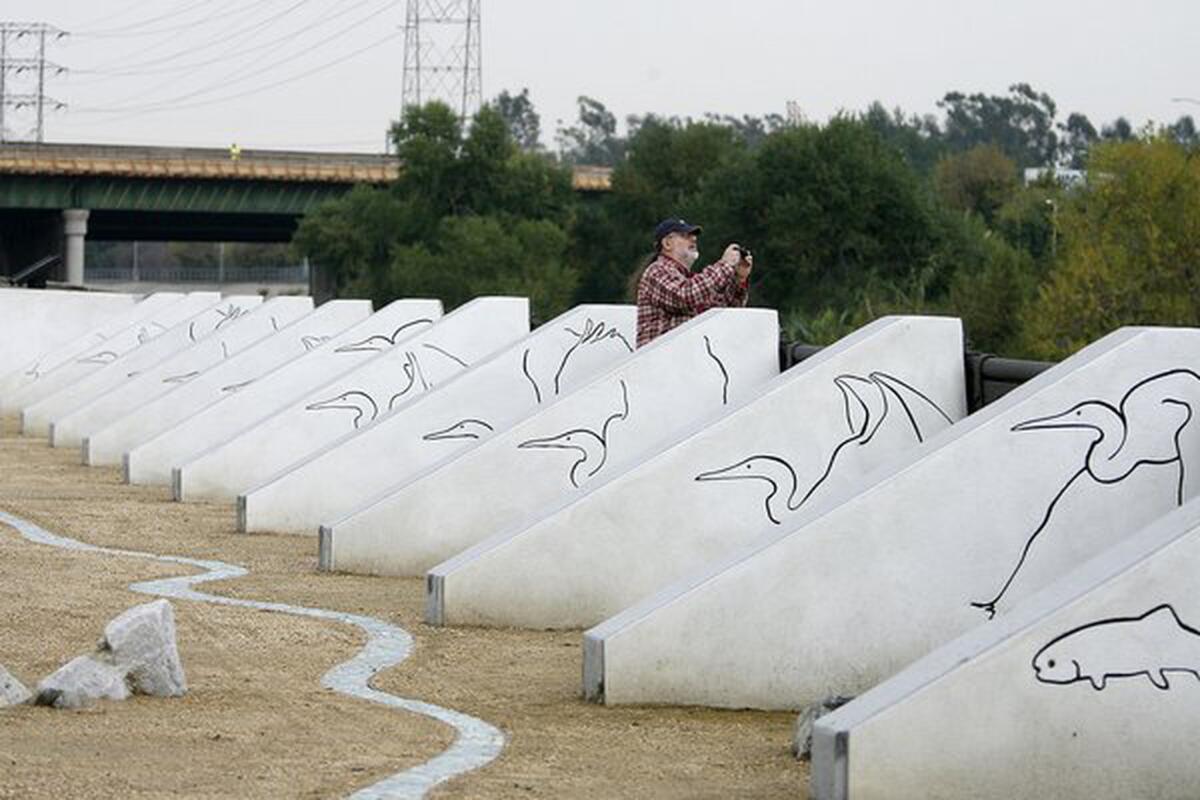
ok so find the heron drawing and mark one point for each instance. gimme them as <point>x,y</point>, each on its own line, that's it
<point>590,447</point>
<point>1145,428</point>
<point>364,407</point>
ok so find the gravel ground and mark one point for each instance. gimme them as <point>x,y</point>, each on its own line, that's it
<point>257,723</point>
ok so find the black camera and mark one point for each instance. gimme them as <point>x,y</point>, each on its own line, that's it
<point>745,251</point>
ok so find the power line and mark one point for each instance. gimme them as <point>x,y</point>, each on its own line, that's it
<point>237,77</point>
<point>118,31</point>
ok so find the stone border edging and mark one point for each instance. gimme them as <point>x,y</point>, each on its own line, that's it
<point>477,742</point>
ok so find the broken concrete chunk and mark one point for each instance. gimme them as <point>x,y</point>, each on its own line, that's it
<point>12,691</point>
<point>142,644</point>
<point>81,683</point>
<point>802,734</point>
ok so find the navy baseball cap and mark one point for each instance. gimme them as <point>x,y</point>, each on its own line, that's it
<point>673,225</point>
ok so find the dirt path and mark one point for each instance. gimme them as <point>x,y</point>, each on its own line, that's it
<point>257,722</point>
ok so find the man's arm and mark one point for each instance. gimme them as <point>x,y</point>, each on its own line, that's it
<point>701,291</point>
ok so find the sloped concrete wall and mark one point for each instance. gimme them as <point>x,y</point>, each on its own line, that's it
<point>35,321</point>
<point>38,417</point>
<point>695,371</point>
<point>972,521</point>
<point>228,376</point>
<point>354,400</point>
<point>97,356</point>
<point>489,397</point>
<point>1087,690</point>
<point>174,370</point>
<point>153,460</point>
<point>32,370</point>
<point>816,429</point>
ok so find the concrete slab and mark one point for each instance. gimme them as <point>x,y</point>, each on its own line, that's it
<point>35,321</point>
<point>499,391</point>
<point>97,356</point>
<point>230,375</point>
<point>353,400</point>
<point>978,517</point>
<point>1086,690</point>
<point>172,371</point>
<point>152,461</point>
<point>33,369</point>
<point>816,429</point>
<point>696,371</point>
<point>36,418</point>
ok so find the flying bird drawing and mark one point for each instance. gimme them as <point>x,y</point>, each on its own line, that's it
<point>866,404</point>
<point>379,342</point>
<point>590,447</point>
<point>1146,428</point>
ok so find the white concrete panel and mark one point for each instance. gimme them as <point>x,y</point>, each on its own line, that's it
<point>1086,690</point>
<point>696,371</point>
<point>980,516</point>
<point>153,460</point>
<point>814,430</point>
<point>173,371</point>
<point>32,370</point>
<point>230,375</point>
<point>557,357</point>
<point>97,356</point>
<point>353,400</point>
<point>35,321</point>
<point>38,418</point>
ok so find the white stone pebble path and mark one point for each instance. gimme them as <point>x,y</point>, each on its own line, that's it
<point>477,742</point>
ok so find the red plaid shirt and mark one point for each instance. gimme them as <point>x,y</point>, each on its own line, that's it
<point>669,295</point>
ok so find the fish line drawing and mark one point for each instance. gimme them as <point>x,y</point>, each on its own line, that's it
<point>379,342</point>
<point>724,372</point>
<point>1148,645</point>
<point>866,405</point>
<point>590,446</point>
<point>362,404</point>
<point>470,429</point>
<point>593,333</point>
<point>1145,428</point>
<point>102,357</point>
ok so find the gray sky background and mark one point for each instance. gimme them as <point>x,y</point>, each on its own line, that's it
<point>189,60</point>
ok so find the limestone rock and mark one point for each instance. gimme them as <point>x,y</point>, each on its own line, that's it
<point>802,735</point>
<point>81,683</point>
<point>12,691</point>
<point>142,644</point>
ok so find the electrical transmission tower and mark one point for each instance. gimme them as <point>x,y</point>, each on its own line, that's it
<point>23,75</point>
<point>442,55</point>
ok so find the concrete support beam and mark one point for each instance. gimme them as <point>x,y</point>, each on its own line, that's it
<point>75,225</point>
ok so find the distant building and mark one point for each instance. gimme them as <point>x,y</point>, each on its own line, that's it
<point>1070,178</point>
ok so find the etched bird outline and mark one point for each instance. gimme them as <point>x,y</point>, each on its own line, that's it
<point>1148,645</point>
<point>866,404</point>
<point>1144,428</point>
<point>379,342</point>
<point>228,314</point>
<point>590,446</point>
<point>34,371</point>
<point>101,357</point>
<point>724,372</point>
<point>464,429</point>
<point>144,335</point>
<point>234,387</point>
<point>593,333</point>
<point>184,378</point>
<point>415,372</point>
<point>364,407</point>
<point>310,343</point>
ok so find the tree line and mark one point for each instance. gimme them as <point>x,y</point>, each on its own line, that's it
<point>868,213</point>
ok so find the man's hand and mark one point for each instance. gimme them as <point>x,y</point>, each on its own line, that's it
<point>732,256</point>
<point>743,268</point>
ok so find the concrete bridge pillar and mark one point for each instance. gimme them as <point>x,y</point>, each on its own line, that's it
<point>74,230</point>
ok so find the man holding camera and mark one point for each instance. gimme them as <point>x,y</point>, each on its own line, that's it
<point>669,293</point>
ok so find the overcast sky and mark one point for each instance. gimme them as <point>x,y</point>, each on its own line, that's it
<point>325,74</point>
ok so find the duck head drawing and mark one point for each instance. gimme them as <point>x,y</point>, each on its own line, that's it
<point>773,470</point>
<point>463,429</point>
<point>364,408</point>
<point>586,445</point>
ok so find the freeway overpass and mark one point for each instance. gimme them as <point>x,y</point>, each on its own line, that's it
<point>52,196</point>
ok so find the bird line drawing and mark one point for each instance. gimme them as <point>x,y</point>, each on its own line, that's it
<point>537,392</point>
<point>364,407</point>
<point>228,315</point>
<point>593,333</point>
<point>1158,409</point>
<point>144,335</point>
<point>1148,645</point>
<point>379,342</point>
<point>310,343</point>
<point>866,404</point>
<point>724,372</point>
<point>34,371</point>
<point>590,446</point>
<point>233,387</point>
<point>184,378</point>
<point>469,428</point>
<point>274,322</point>
<point>446,353</point>
<point>102,357</point>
